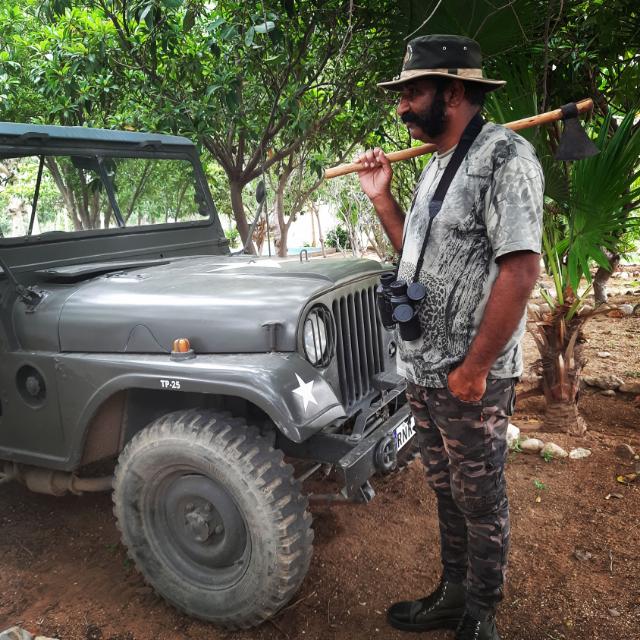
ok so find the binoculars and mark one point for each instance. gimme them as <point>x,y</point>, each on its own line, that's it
<point>398,305</point>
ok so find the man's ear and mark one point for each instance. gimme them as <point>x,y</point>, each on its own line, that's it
<point>454,93</point>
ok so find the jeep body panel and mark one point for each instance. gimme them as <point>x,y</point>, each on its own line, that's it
<point>86,360</point>
<point>84,382</point>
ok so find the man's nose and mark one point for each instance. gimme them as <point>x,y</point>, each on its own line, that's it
<point>403,106</point>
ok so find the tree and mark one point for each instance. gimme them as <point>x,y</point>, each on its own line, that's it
<point>592,216</point>
<point>254,81</point>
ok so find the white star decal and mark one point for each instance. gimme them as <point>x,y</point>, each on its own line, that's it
<point>305,391</point>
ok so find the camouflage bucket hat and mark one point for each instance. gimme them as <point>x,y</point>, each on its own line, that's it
<point>442,55</point>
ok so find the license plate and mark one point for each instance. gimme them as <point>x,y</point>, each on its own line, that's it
<point>404,432</point>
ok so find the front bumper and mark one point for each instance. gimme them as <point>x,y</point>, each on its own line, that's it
<point>359,464</point>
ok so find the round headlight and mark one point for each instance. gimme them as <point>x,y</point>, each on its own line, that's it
<point>318,336</point>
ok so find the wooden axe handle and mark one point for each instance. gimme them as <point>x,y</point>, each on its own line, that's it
<point>412,152</point>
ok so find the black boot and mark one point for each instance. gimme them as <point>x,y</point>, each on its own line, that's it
<point>471,628</point>
<point>441,609</point>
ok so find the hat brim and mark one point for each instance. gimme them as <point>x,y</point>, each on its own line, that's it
<point>414,74</point>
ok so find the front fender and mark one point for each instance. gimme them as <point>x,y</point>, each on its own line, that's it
<point>284,385</point>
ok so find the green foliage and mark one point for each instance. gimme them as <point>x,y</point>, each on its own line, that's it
<point>338,238</point>
<point>233,236</point>
<point>596,213</point>
<point>539,485</point>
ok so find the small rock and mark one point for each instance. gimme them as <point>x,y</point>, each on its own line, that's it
<point>615,313</point>
<point>630,387</point>
<point>579,453</point>
<point>545,308</point>
<point>636,310</point>
<point>603,354</point>
<point>625,451</point>
<point>603,382</point>
<point>586,308</point>
<point>15,633</point>
<point>623,275</point>
<point>614,613</point>
<point>608,392</point>
<point>582,555</point>
<point>627,309</point>
<point>513,435</point>
<point>533,308</point>
<point>553,450</point>
<point>532,445</point>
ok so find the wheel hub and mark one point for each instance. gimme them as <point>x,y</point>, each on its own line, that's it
<point>202,521</point>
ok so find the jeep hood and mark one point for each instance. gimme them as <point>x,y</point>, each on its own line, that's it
<point>222,304</point>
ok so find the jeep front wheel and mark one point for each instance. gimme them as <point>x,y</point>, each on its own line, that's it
<point>213,517</point>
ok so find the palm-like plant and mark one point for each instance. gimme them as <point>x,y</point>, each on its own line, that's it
<point>588,207</point>
<point>597,210</point>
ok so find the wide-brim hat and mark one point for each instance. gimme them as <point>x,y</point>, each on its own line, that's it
<point>445,56</point>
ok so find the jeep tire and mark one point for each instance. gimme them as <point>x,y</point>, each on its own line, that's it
<point>212,517</point>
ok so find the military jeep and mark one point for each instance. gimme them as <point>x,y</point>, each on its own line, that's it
<point>214,383</point>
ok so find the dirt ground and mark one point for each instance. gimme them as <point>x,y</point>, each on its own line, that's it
<point>65,575</point>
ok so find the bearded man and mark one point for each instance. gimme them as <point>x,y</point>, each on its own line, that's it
<point>472,239</point>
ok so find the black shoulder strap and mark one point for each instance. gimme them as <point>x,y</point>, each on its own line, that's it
<point>468,136</point>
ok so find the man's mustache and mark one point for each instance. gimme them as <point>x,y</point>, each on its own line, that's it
<point>409,116</point>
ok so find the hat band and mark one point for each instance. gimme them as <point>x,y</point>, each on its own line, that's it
<point>462,73</point>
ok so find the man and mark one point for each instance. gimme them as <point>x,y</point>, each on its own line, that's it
<point>477,255</point>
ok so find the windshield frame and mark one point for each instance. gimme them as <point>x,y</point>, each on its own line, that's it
<point>146,150</point>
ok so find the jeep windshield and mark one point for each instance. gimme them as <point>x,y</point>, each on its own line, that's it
<point>50,192</point>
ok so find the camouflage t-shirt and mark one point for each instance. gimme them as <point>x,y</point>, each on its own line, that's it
<point>493,207</point>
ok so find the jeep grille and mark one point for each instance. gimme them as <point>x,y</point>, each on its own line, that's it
<point>358,344</point>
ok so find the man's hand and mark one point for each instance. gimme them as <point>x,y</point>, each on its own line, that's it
<point>467,385</point>
<point>375,179</point>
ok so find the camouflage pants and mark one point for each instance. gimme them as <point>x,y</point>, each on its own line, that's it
<point>464,449</point>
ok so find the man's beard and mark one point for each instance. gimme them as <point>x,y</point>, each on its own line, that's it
<point>432,120</point>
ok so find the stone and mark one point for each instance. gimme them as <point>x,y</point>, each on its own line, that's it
<point>15,633</point>
<point>606,381</point>
<point>629,387</point>
<point>533,308</point>
<point>553,450</point>
<point>625,451</point>
<point>614,613</point>
<point>513,435</point>
<point>627,309</point>
<point>586,308</point>
<point>531,445</point>
<point>608,392</point>
<point>545,308</point>
<point>579,453</point>
<point>603,354</point>
<point>623,275</point>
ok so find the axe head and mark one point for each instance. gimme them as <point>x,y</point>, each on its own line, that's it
<point>574,142</point>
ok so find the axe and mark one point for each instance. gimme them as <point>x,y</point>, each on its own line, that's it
<point>574,143</point>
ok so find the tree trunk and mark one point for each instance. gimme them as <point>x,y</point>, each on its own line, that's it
<point>237,205</point>
<point>561,362</point>
<point>283,224</point>
<point>602,277</point>
<point>563,415</point>
<point>320,236</point>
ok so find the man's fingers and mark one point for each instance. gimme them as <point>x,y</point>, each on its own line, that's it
<point>372,158</point>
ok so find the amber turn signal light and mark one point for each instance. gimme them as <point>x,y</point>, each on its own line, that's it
<point>181,349</point>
